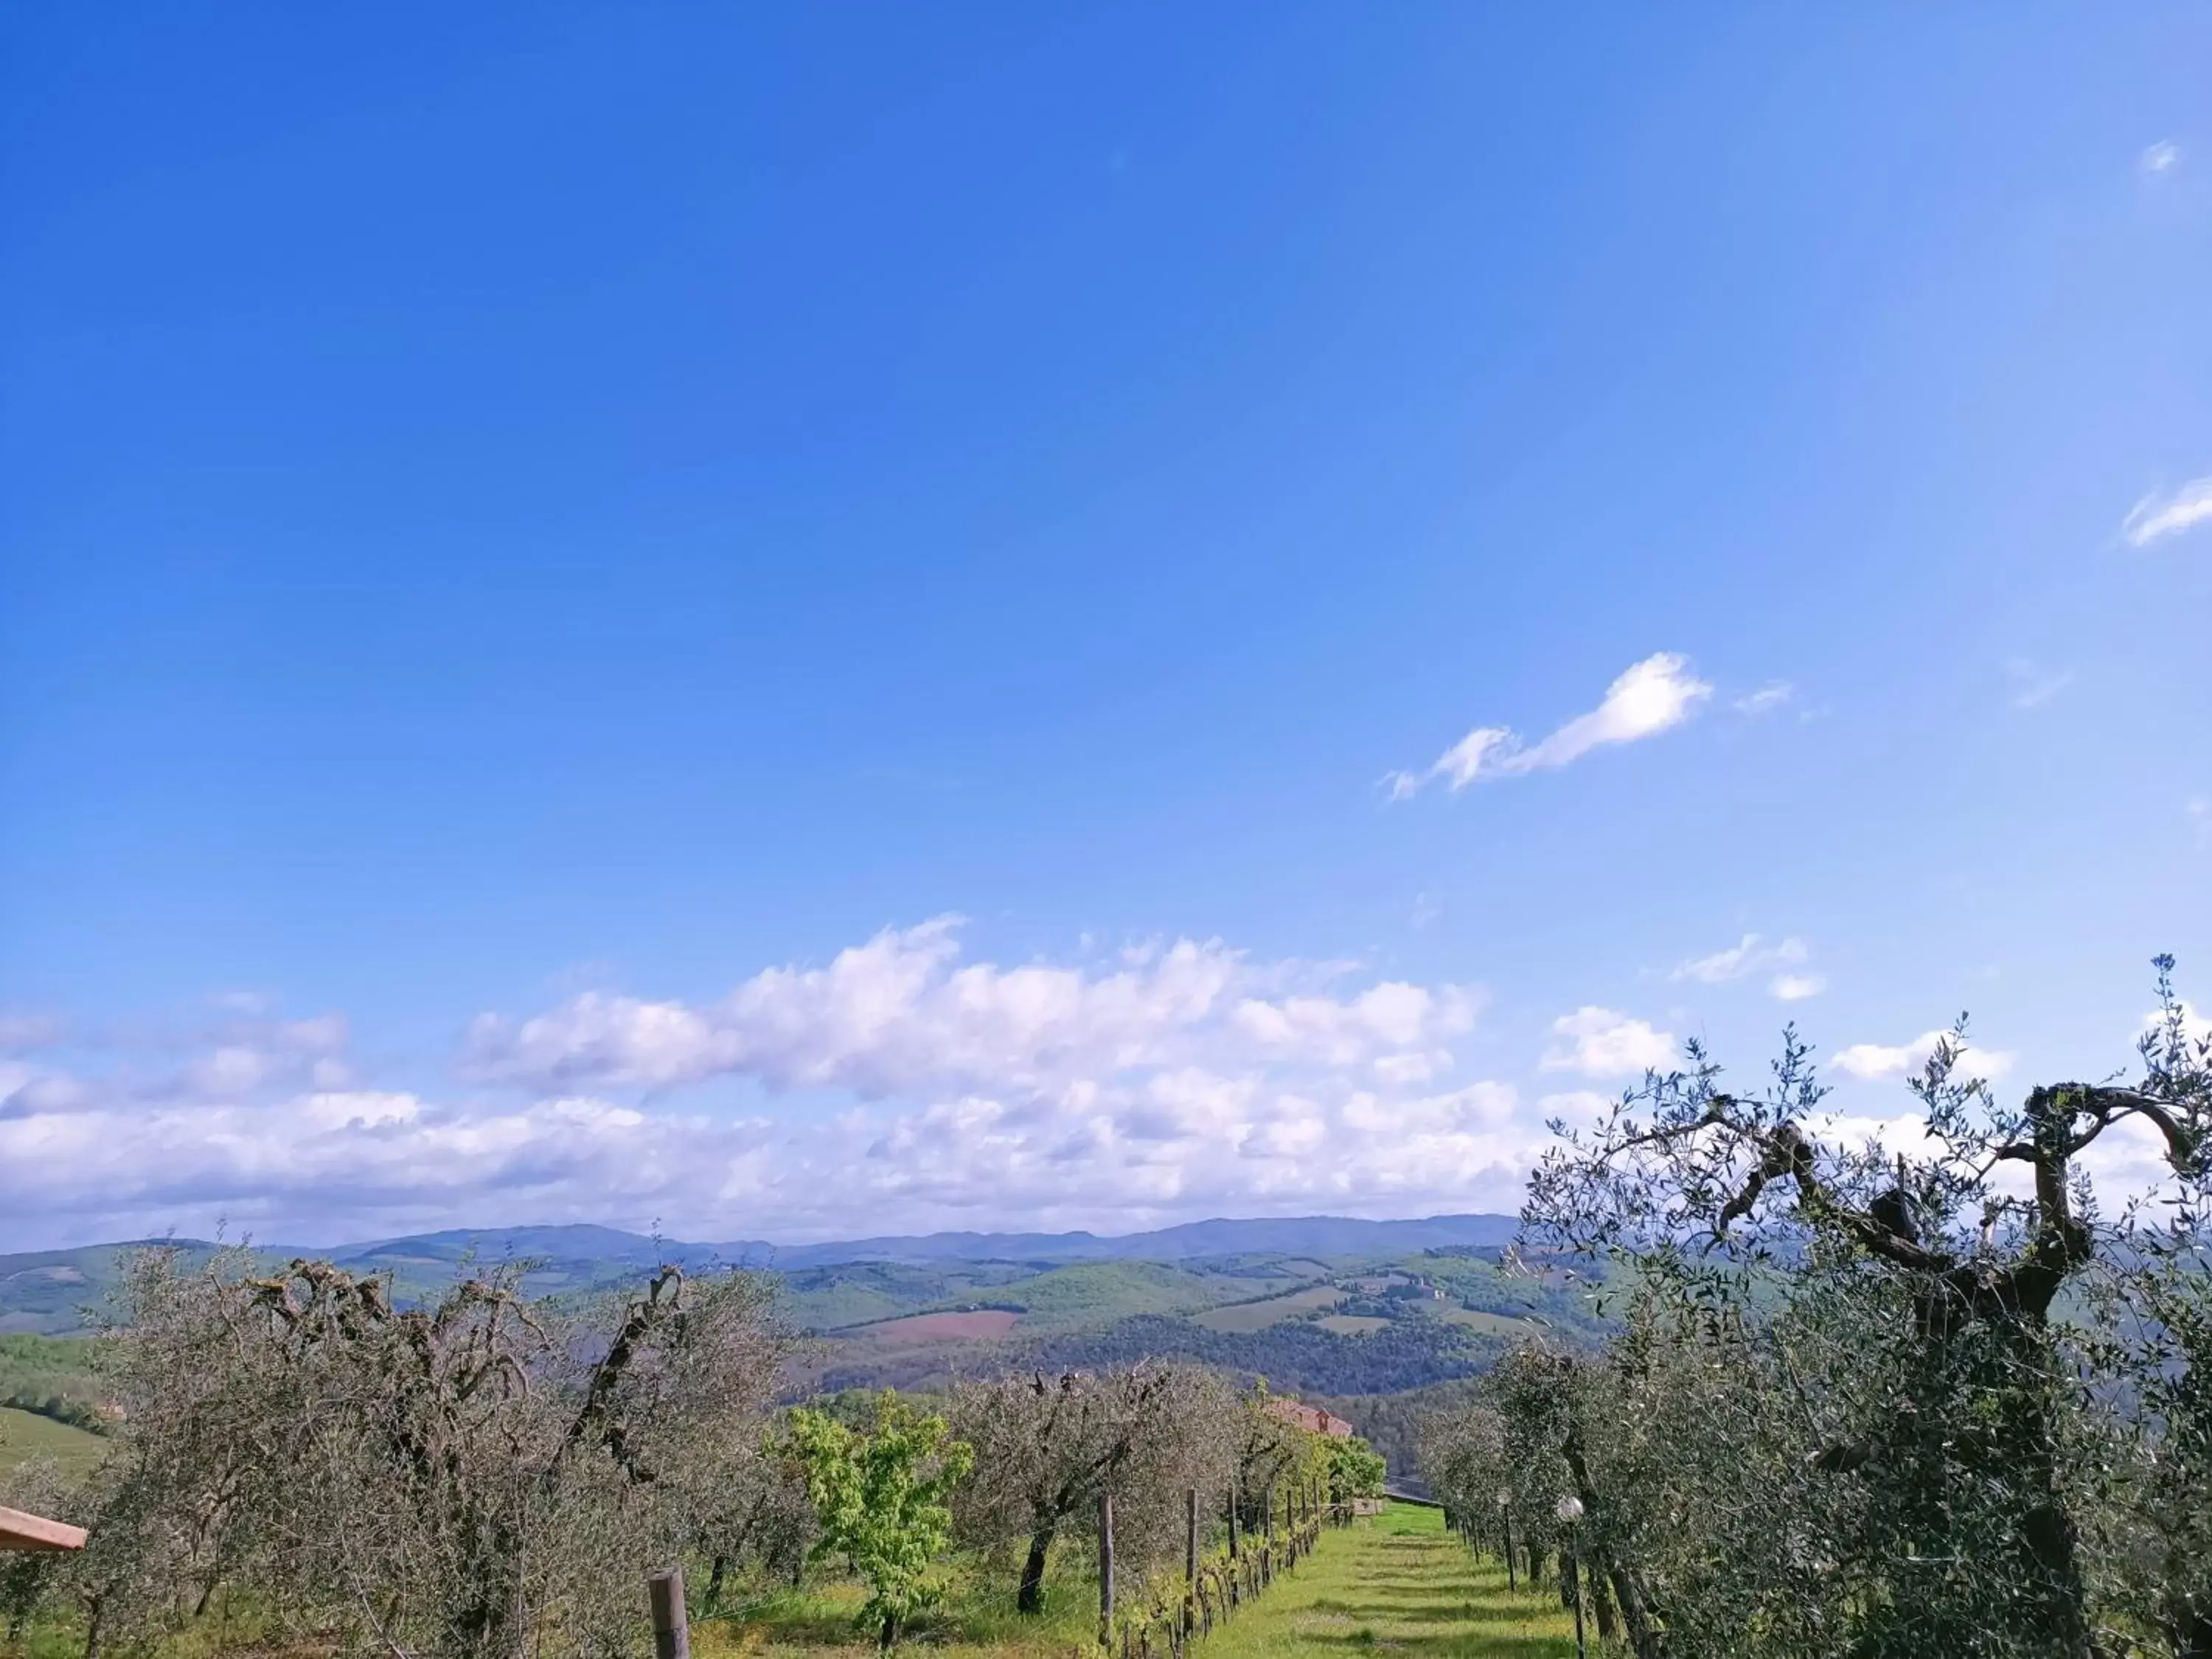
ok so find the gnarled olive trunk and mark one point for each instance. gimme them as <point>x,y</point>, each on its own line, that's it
<point>1031,1597</point>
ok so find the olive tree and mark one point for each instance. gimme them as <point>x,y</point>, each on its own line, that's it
<point>455,1480</point>
<point>1047,1448</point>
<point>1903,1337</point>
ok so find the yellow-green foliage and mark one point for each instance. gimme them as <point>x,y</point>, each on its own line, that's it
<point>880,1495</point>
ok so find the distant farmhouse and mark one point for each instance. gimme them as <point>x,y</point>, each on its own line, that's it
<point>1312,1419</point>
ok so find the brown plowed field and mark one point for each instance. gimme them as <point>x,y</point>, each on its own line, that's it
<point>941,1327</point>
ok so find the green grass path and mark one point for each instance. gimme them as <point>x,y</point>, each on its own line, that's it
<point>1397,1583</point>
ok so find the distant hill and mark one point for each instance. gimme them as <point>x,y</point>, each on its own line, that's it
<point>1312,1235</point>
<point>833,1285</point>
<point>1323,1304</point>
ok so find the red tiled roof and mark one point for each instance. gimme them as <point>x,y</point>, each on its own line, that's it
<point>19,1531</point>
<point>1312,1419</point>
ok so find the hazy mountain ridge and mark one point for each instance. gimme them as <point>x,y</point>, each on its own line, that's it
<point>47,1290</point>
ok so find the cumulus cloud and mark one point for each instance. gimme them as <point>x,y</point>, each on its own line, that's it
<point>2196,1027</point>
<point>919,1089</point>
<point>902,1014</point>
<point>2160,157</point>
<point>323,1166</point>
<point>1875,1059</point>
<point>1652,697</point>
<point>1796,988</point>
<point>1599,1042</point>
<point>2156,517</point>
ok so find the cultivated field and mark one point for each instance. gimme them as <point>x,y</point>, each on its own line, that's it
<point>979,1325</point>
<point>1247,1316</point>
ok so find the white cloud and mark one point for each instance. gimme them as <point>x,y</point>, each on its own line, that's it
<point>1874,1060</point>
<point>901,1014</point>
<point>1652,697</point>
<point>322,1167</point>
<point>2160,157</point>
<point>2155,517</point>
<point>2196,1027</point>
<point>923,1092</point>
<point>1575,1107</point>
<point>1775,694</point>
<point>1599,1043</point>
<point>1749,955</point>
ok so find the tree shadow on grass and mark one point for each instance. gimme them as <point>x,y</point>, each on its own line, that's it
<point>1444,1610</point>
<point>1466,1645</point>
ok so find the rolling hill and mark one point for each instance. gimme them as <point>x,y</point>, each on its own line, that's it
<point>48,1291</point>
<point>1357,1311</point>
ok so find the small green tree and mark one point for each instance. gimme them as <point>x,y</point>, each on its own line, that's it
<point>880,1495</point>
<point>1356,1469</point>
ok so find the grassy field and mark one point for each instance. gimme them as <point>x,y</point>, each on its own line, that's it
<point>1398,1583</point>
<point>1498,1324</point>
<point>1258,1316</point>
<point>26,1435</point>
<point>1092,1290</point>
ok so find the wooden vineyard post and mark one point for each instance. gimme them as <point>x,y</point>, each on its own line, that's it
<point>1268,1549</point>
<point>1506,1517</point>
<point>1233,1591</point>
<point>1190,1562</point>
<point>672,1630</point>
<point>1106,1570</point>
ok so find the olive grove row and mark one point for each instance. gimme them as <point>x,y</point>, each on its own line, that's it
<point>496,1475</point>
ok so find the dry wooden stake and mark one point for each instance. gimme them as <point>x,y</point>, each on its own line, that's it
<point>672,1630</point>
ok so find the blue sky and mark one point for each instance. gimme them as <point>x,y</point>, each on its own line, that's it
<point>549,552</point>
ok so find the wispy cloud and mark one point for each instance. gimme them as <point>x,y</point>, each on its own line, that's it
<point>1752,954</point>
<point>1653,696</point>
<point>2160,157</point>
<point>1775,694</point>
<point>2156,517</point>
<point>2032,684</point>
<point>1747,956</point>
